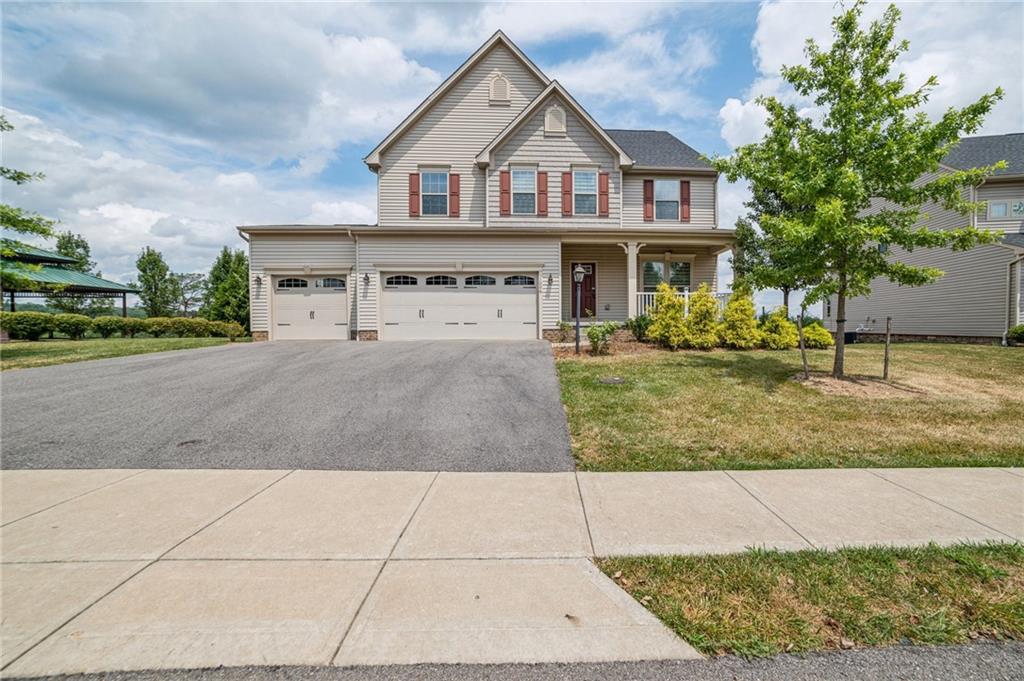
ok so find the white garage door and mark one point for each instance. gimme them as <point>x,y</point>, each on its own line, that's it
<point>448,305</point>
<point>310,307</point>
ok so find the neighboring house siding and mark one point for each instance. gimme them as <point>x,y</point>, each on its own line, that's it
<point>446,253</point>
<point>702,201</point>
<point>1005,191</point>
<point>554,154</point>
<point>453,132</point>
<point>291,252</point>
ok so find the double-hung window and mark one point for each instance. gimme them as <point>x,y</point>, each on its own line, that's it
<point>676,273</point>
<point>524,191</point>
<point>434,192</point>
<point>997,210</point>
<point>584,188</point>
<point>666,200</point>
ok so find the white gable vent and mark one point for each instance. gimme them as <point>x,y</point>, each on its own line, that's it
<point>554,120</point>
<point>499,90</point>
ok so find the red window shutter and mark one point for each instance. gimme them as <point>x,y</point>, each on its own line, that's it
<point>505,184</point>
<point>648,200</point>
<point>602,195</point>
<point>566,194</point>
<point>684,200</point>
<point>542,194</point>
<point>453,195</point>
<point>414,194</point>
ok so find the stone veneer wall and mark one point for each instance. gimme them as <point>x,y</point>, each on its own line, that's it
<point>260,335</point>
<point>368,335</point>
<point>915,338</point>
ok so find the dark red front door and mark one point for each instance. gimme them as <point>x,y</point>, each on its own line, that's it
<point>588,292</point>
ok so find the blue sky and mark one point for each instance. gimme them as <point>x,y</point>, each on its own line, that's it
<point>168,124</point>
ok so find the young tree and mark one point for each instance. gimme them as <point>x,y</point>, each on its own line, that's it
<point>75,246</point>
<point>19,221</point>
<point>190,289</point>
<point>868,139</point>
<point>219,271</point>
<point>229,298</point>
<point>157,288</point>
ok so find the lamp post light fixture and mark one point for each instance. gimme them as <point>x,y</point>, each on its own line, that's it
<point>577,274</point>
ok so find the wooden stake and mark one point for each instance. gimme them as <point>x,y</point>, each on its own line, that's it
<point>888,340</point>
<point>803,349</point>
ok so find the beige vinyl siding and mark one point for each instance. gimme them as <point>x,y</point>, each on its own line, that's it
<point>293,253</point>
<point>554,154</point>
<point>453,132</point>
<point>612,290</point>
<point>1001,191</point>
<point>702,201</point>
<point>448,254</point>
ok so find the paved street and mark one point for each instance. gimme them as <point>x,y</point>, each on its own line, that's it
<point>123,569</point>
<point>445,405</point>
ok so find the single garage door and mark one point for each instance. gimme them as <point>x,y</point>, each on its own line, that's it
<point>310,307</point>
<point>449,305</point>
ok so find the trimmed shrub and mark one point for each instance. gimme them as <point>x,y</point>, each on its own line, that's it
<point>817,337</point>
<point>667,318</point>
<point>777,332</point>
<point>191,327</point>
<point>74,326</point>
<point>132,326</point>
<point>600,337</point>
<point>739,324</point>
<point>700,327</point>
<point>159,326</point>
<point>638,326</point>
<point>229,330</point>
<point>1016,335</point>
<point>107,326</point>
<point>27,325</point>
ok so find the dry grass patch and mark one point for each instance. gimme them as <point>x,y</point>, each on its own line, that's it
<point>766,602</point>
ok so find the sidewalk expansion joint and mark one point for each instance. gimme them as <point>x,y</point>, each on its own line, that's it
<point>586,518</point>
<point>771,510</point>
<point>77,496</point>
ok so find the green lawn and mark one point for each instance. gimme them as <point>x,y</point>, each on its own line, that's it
<point>25,354</point>
<point>764,603</point>
<point>947,405</point>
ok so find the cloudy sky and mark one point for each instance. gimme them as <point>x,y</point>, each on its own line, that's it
<point>169,124</point>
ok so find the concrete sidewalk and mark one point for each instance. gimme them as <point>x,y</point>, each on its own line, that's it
<point>121,569</point>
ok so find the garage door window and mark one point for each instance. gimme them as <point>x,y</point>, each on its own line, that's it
<point>441,280</point>
<point>480,280</point>
<point>293,282</point>
<point>330,282</point>
<point>519,280</point>
<point>400,280</point>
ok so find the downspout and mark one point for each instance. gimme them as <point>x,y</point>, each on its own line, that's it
<point>355,238</point>
<point>622,198</point>
<point>487,195</point>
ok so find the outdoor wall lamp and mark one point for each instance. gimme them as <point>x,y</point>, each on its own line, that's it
<point>366,279</point>
<point>551,279</point>
<point>259,280</point>
<point>577,275</point>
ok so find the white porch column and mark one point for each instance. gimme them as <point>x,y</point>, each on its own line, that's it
<point>631,248</point>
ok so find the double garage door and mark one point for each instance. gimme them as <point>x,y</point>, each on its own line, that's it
<point>418,306</point>
<point>311,307</point>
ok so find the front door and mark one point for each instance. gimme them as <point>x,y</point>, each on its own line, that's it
<point>588,292</point>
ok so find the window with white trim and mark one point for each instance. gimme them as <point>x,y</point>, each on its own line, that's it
<point>524,191</point>
<point>674,272</point>
<point>434,192</point>
<point>480,280</point>
<point>998,210</point>
<point>400,280</point>
<point>293,282</point>
<point>520,280</point>
<point>441,280</point>
<point>584,190</point>
<point>666,200</point>
<point>330,282</point>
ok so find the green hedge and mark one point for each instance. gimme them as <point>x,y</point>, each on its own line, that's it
<point>27,325</point>
<point>33,325</point>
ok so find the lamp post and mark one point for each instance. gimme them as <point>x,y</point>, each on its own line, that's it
<point>577,274</point>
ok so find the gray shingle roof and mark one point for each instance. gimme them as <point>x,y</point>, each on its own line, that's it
<point>1014,240</point>
<point>974,152</point>
<point>657,149</point>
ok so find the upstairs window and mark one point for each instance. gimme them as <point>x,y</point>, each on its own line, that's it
<point>997,210</point>
<point>434,192</point>
<point>666,200</point>
<point>584,188</point>
<point>524,191</point>
<point>499,91</point>
<point>554,120</point>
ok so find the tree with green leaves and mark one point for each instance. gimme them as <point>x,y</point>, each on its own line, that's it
<point>19,221</point>
<point>75,246</point>
<point>157,288</point>
<point>191,291</point>
<point>227,291</point>
<point>868,139</point>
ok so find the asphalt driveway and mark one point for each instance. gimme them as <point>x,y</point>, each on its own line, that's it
<point>444,405</point>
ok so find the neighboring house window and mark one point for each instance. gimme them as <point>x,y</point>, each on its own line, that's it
<point>584,187</point>
<point>883,248</point>
<point>828,307</point>
<point>480,280</point>
<point>400,280</point>
<point>524,191</point>
<point>676,273</point>
<point>293,283</point>
<point>499,90</point>
<point>330,282</point>
<point>441,280</point>
<point>554,120</point>
<point>434,192</point>
<point>997,210</point>
<point>519,280</point>
<point>666,200</point>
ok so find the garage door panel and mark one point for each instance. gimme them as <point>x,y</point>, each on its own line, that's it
<point>307,310</point>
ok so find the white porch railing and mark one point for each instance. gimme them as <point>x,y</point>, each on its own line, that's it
<point>645,301</point>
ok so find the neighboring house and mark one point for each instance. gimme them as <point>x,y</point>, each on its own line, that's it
<point>979,295</point>
<point>489,194</point>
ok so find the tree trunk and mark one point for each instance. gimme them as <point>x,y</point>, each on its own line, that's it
<point>803,348</point>
<point>785,299</point>
<point>837,364</point>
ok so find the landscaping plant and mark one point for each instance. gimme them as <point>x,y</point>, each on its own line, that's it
<point>26,325</point>
<point>817,337</point>
<point>229,330</point>
<point>600,337</point>
<point>700,326</point>
<point>667,318</point>
<point>74,326</point>
<point>639,326</point>
<point>778,333</point>
<point>132,325</point>
<point>107,326</point>
<point>158,326</point>
<point>1016,335</point>
<point>739,325</point>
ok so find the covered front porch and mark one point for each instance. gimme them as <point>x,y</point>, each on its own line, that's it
<point>621,276</point>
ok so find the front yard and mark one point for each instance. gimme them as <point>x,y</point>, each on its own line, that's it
<point>25,354</point>
<point>947,405</point>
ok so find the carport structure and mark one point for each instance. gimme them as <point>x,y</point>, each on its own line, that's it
<point>48,276</point>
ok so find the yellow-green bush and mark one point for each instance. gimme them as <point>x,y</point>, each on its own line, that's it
<point>26,325</point>
<point>107,326</point>
<point>74,326</point>
<point>229,330</point>
<point>777,332</point>
<point>817,337</point>
<point>159,326</point>
<point>667,317</point>
<point>132,326</point>
<point>700,326</point>
<point>739,324</point>
<point>600,337</point>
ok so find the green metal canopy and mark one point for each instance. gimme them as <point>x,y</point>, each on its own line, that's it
<point>72,280</point>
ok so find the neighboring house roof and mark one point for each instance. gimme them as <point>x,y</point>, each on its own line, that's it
<point>977,152</point>
<point>26,253</point>
<point>484,157</point>
<point>652,149</point>
<point>1015,240</point>
<point>373,158</point>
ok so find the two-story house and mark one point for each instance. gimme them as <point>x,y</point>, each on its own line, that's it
<point>979,297</point>
<point>489,195</point>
